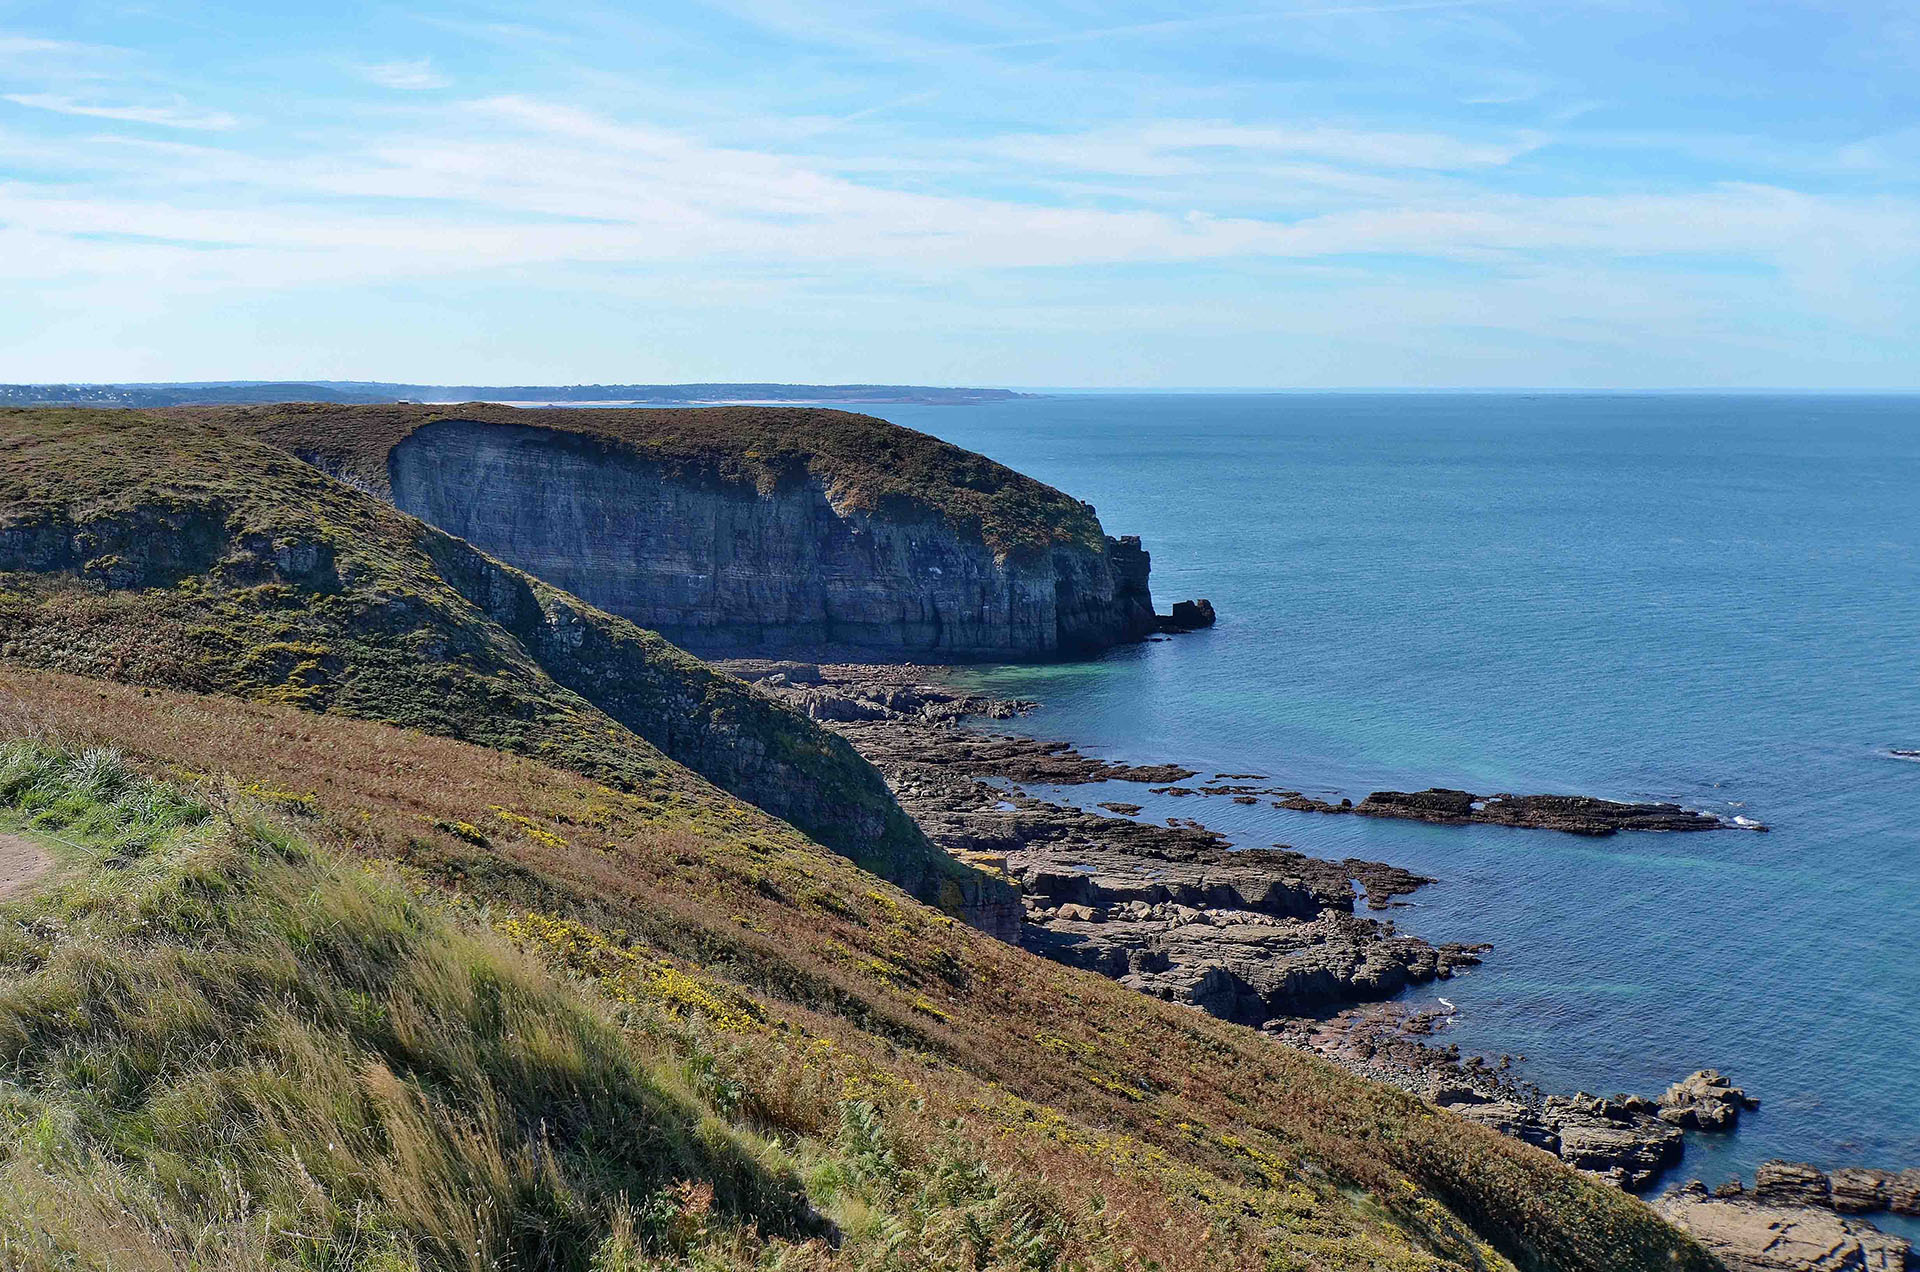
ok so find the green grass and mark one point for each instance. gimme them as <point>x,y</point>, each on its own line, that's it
<point>224,1047</point>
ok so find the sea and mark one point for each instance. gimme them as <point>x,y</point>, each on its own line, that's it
<point>1713,600</point>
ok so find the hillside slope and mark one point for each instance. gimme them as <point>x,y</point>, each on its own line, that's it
<point>178,553</point>
<point>749,529</point>
<point>801,1047</point>
<point>816,1011</point>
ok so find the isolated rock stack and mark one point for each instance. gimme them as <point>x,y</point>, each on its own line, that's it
<point>1705,1101</point>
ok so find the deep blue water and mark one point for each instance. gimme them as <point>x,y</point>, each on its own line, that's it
<point>1714,600</point>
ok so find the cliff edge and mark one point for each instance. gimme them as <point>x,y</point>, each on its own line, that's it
<point>750,530</point>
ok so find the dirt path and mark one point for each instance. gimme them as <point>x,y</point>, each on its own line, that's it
<point>21,862</point>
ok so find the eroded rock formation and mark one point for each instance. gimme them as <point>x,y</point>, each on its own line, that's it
<point>1574,814</point>
<point>722,565</point>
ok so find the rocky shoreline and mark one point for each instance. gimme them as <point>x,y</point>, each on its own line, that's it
<point>1627,1140</point>
<point>1275,939</point>
<point>1262,937</point>
<point>1169,909</point>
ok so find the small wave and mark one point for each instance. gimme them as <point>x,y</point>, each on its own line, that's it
<point>1448,1004</point>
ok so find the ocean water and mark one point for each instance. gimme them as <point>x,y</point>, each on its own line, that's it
<point>1714,600</point>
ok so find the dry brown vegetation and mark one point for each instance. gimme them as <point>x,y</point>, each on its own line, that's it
<point>1206,1144</point>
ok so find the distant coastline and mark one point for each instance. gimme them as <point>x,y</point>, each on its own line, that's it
<point>360,392</point>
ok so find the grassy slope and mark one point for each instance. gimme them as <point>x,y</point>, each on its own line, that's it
<point>226,1050</point>
<point>173,553</point>
<point>851,1038</point>
<point>863,462</point>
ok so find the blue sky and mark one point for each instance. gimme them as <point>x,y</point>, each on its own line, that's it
<point>1314,194</point>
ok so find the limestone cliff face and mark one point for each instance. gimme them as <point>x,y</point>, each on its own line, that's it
<point>721,566</point>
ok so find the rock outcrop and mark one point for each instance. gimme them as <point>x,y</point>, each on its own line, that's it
<point>1171,910</point>
<point>1627,1140</point>
<point>1754,1235</point>
<point>1705,1101</point>
<point>1614,1139</point>
<point>1574,814</point>
<point>721,565</point>
<point>1189,616</point>
<point>1853,1190</point>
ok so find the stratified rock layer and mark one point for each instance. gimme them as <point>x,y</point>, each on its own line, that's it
<point>724,566</point>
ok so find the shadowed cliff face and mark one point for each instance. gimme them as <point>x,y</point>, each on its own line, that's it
<point>723,567</point>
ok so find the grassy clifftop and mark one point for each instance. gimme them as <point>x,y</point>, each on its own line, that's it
<point>174,552</point>
<point>862,462</point>
<point>939,1099</point>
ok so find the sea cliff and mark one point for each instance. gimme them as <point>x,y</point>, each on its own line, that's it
<point>183,554</point>
<point>720,566</point>
<point>751,530</point>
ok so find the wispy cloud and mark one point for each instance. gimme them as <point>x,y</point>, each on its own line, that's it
<point>1166,146</point>
<point>1370,183</point>
<point>1224,21</point>
<point>174,115</point>
<point>412,77</point>
<point>20,45</point>
<point>523,181</point>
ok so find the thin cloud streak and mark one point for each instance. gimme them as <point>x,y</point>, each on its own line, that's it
<point>1227,20</point>
<point>178,115</point>
<point>409,77</point>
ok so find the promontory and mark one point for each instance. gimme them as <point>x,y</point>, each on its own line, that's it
<point>749,530</point>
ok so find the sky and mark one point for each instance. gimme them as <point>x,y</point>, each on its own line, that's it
<point>1402,193</point>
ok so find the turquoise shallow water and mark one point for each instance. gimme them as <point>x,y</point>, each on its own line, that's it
<point>1709,599</point>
